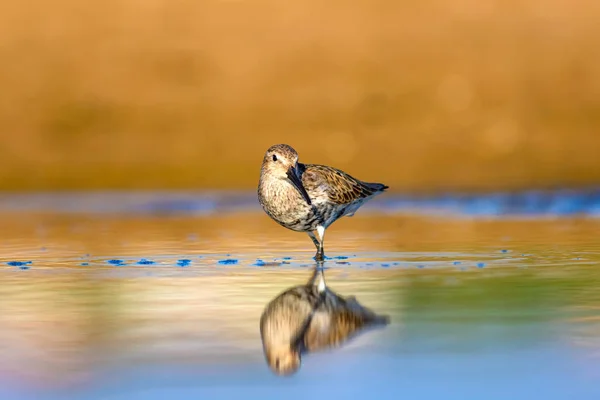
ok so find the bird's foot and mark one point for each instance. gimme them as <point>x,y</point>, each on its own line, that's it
<point>320,256</point>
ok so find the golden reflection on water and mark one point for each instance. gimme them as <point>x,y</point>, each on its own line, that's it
<point>60,320</point>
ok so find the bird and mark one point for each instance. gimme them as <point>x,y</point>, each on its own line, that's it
<point>309,197</point>
<point>308,318</point>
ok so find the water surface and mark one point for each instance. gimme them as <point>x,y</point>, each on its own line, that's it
<point>146,306</point>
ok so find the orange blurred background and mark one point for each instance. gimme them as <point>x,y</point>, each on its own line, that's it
<point>434,95</point>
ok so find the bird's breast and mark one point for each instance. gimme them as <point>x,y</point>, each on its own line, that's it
<point>282,202</point>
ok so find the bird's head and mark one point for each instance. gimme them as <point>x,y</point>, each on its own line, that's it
<point>281,162</point>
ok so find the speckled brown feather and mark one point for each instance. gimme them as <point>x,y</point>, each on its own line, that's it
<point>340,187</point>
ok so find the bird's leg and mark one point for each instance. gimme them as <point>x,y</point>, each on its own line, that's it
<point>320,256</point>
<point>318,245</point>
<point>314,239</point>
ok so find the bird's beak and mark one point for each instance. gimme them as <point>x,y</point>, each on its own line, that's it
<point>293,176</point>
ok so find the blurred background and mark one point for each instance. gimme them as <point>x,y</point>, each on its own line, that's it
<point>125,273</point>
<point>466,95</point>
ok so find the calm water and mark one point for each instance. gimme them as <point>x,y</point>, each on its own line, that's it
<point>151,305</point>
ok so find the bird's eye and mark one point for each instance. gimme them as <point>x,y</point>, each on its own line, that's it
<point>274,157</point>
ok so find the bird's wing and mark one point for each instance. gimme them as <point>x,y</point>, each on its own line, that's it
<point>340,187</point>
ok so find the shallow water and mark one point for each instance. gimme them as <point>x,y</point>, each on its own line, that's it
<point>103,306</point>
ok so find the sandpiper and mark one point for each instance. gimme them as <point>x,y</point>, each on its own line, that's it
<point>309,197</point>
<point>308,318</point>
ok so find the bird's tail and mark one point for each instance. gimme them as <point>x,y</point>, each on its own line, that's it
<point>376,187</point>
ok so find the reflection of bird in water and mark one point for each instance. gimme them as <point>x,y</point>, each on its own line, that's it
<point>307,318</point>
<point>308,197</point>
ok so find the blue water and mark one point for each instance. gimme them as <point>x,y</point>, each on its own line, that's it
<point>456,332</point>
<point>107,296</point>
<point>536,373</point>
<point>524,204</point>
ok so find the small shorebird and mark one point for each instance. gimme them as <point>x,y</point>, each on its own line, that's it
<point>309,318</point>
<point>309,197</point>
